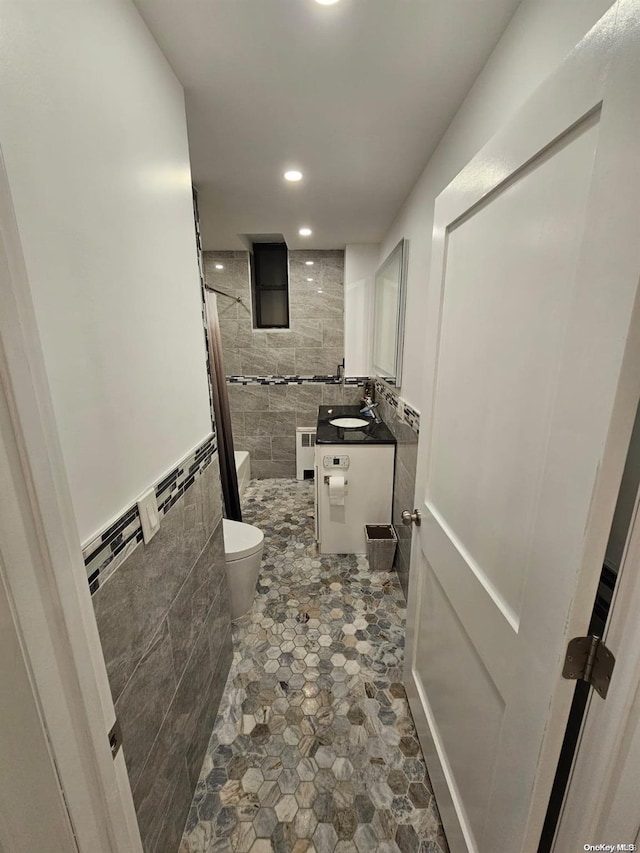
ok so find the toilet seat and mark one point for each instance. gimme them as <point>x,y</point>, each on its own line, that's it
<point>240,540</point>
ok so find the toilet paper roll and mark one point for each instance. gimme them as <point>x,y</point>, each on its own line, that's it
<point>336,491</point>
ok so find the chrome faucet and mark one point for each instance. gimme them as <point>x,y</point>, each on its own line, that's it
<point>369,409</point>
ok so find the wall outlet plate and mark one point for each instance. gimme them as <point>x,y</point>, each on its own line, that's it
<point>400,409</point>
<point>149,516</point>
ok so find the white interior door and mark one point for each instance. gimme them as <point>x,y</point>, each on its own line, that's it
<point>531,390</point>
<point>60,788</point>
<point>25,795</point>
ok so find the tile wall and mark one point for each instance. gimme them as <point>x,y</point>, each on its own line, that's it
<point>314,344</point>
<point>265,418</point>
<point>305,358</point>
<point>163,616</point>
<point>404,423</point>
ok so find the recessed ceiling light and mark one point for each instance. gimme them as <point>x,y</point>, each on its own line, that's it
<point>309,263</point>
<point>305,232</point>
<point>326,2</point>
<point>293,175</point>
<point>319,291</point>
<point>219,266</point>
<point>309,279</point>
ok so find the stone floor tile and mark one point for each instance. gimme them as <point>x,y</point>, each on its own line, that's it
<point>306,794</point>
<point>407,839</point>
<point>345,823</point>
<point>261,845</point>
<point>286,808</point>
<point>325,838</point>
<point>265,822</point>
<point>314,749</point>
<point>305,823</point>
<point>242,837</point>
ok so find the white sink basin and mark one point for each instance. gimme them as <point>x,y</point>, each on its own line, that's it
<point>350,423</point>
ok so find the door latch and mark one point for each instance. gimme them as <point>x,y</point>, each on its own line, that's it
<point>115,738</point>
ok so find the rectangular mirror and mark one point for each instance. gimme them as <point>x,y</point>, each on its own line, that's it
<point>388,316</point>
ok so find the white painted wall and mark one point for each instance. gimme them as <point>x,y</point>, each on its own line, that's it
<point>538,37</point>
<point>360,264</point>
<point>93,133</point>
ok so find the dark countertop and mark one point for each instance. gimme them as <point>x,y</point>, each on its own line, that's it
<point>372,433</point>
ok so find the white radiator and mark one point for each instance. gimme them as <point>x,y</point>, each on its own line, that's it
<point>305,452</point>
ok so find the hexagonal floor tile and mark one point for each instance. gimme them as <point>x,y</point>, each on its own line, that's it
<point>286,808</point>
<point>325,838</point>
<point>265,822</point>
<point>314,747</point>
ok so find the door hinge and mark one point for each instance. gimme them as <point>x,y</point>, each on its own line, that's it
<point>115,738</point>
<point>588,659</point>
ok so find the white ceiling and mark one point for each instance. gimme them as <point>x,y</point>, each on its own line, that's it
<point>356,95</point>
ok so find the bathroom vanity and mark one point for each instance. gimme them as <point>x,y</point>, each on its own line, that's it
<point>353,478</point>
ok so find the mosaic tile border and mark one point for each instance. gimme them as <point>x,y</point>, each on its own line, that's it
<point>387,394</point>
<point>406,413</point>
<point>109,549</point>
<point>320,379</point>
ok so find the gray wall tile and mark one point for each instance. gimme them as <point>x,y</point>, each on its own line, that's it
<point>212,494</point>
<point>282,450</point>
<point>218,630</point>
<point>178,738</point>
<point>160,779</point>
<point>163,776</point>
<point>169,830</point>
<point>317,306</point>
<point>403,485</point>
<point>248,398</point>
<point>145,700</point>
<point>313,345</point>
<point>204,725</point>
<point>196,529</point>
<point>352,395</point>
<point>263,470</point>
<point>218,573</point>
<point>238,423</point>
<point>333,333</point>
<point>286,362</point>
<point>258,446</point>
<point>403,560</point>
<point>307,419</point>
<point>302,333</point>
<point>332,395</point>
<point>192,603</point>
<point>408,454</point>
<point>236,333</point>
<point>232,361</point>
<point>294,398</point>
<point>257,360</point>
<point>163,618</point>
<point>269,423</point>
<point>319,360</point>
<point>134,600</point>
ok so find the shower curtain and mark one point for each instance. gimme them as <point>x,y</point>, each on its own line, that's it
<point>228,473</point>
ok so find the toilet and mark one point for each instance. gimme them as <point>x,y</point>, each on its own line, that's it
<point>243,544</point>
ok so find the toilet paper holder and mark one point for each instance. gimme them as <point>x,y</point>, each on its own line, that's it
<point>326,480</point>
